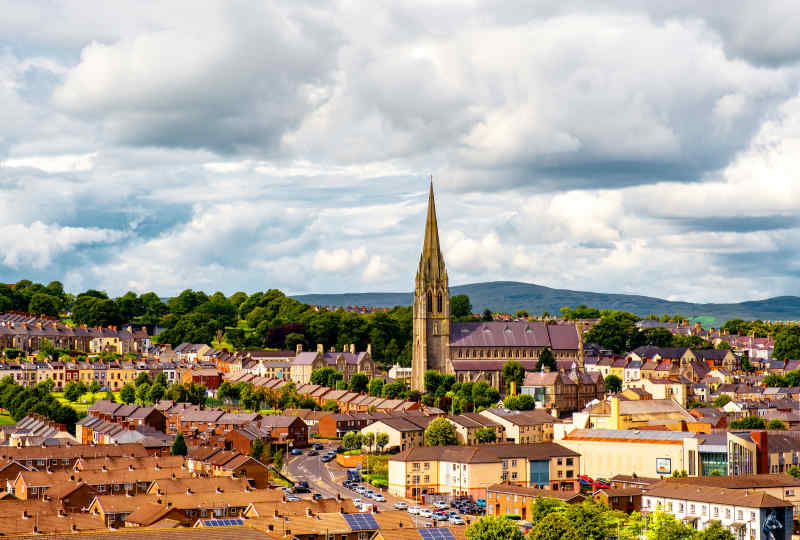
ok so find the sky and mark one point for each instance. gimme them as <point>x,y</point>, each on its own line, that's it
<point>624,147</point>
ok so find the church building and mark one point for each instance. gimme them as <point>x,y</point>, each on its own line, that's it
<point>474,351</point>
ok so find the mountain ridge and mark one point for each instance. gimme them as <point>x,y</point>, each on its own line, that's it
<point>510,296</point>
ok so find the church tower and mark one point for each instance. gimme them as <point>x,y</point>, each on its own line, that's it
<point>431,331</point>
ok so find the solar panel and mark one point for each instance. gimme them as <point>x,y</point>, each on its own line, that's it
<point>222,522</point>
<point>436,534</point>
<point>361,522</point>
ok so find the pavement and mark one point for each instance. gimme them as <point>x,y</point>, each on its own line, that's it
<point>326,479</point>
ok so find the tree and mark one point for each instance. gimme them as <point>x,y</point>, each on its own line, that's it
<point>664,526</point>
<point>485,435</point>
<point>257,449</point>
<point>657,337</point>
<point>547,360</point>
<point>109,397</point>
<point>369,440</point>
<point>143,393</point>
<point>555,526</point>
<point>359,382</point>
<point>331,406</point>
<point>523,402</point>
<point>440,432</point>
<point>715,531</point>
<point>45,304</point>
<point>522,314</point>
<point>494,528</point>
<point>613,384</point>
<point>142,378</point>
<point>749,422</point>
<point>196,393</point>
<point>774,380</point>
<point>513,372</point>
<point>544,506</point>
<point>128,393</point>
<point>352,440</point>
<point>381,440</point>
<point>460,306</point>
<point>722,400</point>
<point>794,470</point>
<point>161,379</point>
<point>394,390</point>
<point>616,331</point>
<point>776,424</point>
<point>747,367</point>
<point>94,387</point>
<point>74,390</point>
<point>157,393</point>
<point>487,315</point>
<point>179,446</point>
<point>787,343</point>
<point>375,387</point>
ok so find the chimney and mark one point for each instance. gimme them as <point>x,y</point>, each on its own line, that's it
<point>270,527</point>
<point>352,348</point>
<point>218,490</point>
<point>320,348</point>
<point>61,513</point>
<point>74,528</point>
<point>275,513</point>
<point>308,512</point>
<point>333,349</point>
<point>369,349</point>
<point>130,467</point>
<point>25,514</point>
<point>188,491</point>
<point>299,348</point>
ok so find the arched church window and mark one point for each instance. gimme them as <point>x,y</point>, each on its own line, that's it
<point>439,303</point>
<point>430,303</point>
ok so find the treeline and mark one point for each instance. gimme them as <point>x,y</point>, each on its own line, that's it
<point>264,319</point>
<point>21,401</point>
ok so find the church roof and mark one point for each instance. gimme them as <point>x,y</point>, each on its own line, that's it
<point>513,334</point>
<point>431,263</point>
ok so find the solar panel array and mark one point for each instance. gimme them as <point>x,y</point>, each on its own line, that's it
<point>436,534</point>
<point>222,522</point>
<point>361,522</point>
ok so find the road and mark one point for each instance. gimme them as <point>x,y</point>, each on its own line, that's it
<point>327,478</point>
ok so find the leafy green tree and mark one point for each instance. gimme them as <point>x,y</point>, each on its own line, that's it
<point>487,315</point>
<point>747,367</point>
<point>433,379</point>
<point>513,372</point>
<point>787,343</point>
<point>94,387</point>
<point>554,526</point>
<point>544,506</point>
<point>774,380</point>
<point>664,526</point>
<point>485,435</point>
<point>11,353</point>
<point>74,390</point>
<point>494,528</point>
<point>142,378</point>
<point>128,393</point>
<point>394,390</point>
<point>143,393</point>
<point>179,447</point>
<point>715,531</point>
<point>794,470</point>
<point>440,432</point>
<point>321,376</point>
<point>749,422</point>
<point>615,331</point>
<point>196,393</point>
<point>522,314</point>
<point>547,360</point>
<point>257,449</point>
<point>45,304</point>
<point>460,306</point>
<point>331,406</point>
<point>175,392</point>
<point>157,393</point>
<point>722,400</point>
<point>359,382</point>
<point>381,440</point>
<point>352,440</point>
<point>522,402</point>
<point>657,337</point>
<point>109,397</point>
<point>161,379</point>
<point>776,424</point>
<point>613,384</point>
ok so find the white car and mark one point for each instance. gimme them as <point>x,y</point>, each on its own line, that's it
<point>400,505</point>
<point>414,510</point>
<point>456,520</point>
<point>424,512</point>
<point>292,498</point>
<point>357,502</point>
<point>378,498</point>
<point>441,505</point>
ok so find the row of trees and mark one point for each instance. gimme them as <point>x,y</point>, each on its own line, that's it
<point>555,520</point>
<point>353,440</point>
<point>20,401</point>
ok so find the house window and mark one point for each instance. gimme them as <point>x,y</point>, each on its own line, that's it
<point>691,509</point>
<point>514,476</point>
<point>569,462</point>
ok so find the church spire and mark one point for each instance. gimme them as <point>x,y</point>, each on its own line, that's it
<point>431,262</point>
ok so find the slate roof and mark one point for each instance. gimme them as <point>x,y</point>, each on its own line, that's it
<point>513,334</point>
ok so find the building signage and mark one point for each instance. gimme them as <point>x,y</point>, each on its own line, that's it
<point>663,465</point>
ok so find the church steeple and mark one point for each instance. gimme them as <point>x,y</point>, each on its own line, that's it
<point>431,325</point>
<point>431,262</point>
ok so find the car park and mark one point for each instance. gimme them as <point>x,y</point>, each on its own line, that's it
<point>400,505</point>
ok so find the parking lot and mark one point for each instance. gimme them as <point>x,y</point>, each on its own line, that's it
<point>328,479</point>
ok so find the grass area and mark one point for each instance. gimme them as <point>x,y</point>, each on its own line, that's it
<point>352,453</point>
<point>6,420</point>
<point>220,345</point>
<point>85,401</point>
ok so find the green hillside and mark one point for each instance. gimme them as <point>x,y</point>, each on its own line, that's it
<point>509,296</point>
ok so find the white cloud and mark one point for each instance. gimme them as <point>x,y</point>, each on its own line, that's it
<point>337,260</point>
<point>54,164</point>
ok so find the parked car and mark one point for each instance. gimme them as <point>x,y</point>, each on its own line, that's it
<point>378,498</point>
<point>317,446</point>
<point>456,520</point>
<point>316,496</point>
<point>414,510</point>
<point>297,452</point>
<point>357,501</point>
<point>400,505</point>
<point>340,450</point>
<point>326,458</point>
<point>441,505</point>
<point>424,512</point>
<point>292,498</point>
<point>481,503</point>
<point>303,483</point>
<point>301,489</point>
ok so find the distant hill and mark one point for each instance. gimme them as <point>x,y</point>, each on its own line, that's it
<point>509,296</point>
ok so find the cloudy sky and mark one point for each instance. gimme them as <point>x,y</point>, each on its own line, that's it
<point>233,146</point>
